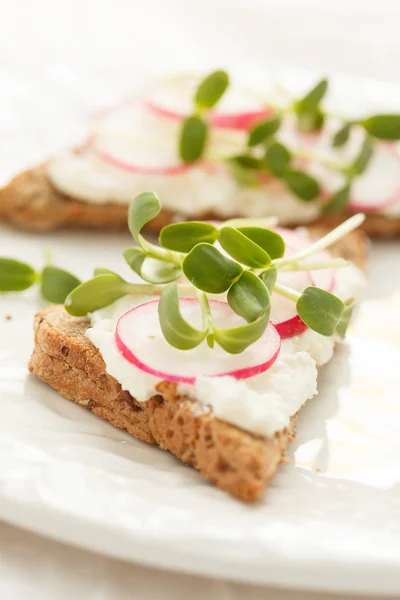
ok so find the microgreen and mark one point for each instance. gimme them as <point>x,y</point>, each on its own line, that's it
<point>383,127</point>
<point>55,283</point>
<point>302,184</point>
<point>263,130</point>
<point>182,237</point>
<point>338,200</point>
<point>209,270</point>
<point>193,139</point>
<point>283,160</point>
<point>277,159</point>
<point>247,273</point>
<point>341,136</point>
<point>242,248</point>
<point>176,330</point>
<point>320,310</point>
<point>15,275</point>
<point>211,90</point>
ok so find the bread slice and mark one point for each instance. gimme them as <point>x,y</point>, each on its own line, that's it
<point>234,460</point>
<point>31,202</point>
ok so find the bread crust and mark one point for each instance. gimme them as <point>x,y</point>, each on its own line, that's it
<point>31,202</point>
<point>236,461</point>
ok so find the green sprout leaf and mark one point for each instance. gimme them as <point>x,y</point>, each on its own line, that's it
<point>341,136</point>
<point>320,310</point>
<point>248,297</point>
<point>363,159</point>
<point>242,248</point>
<point>311,100</point>
<point>310,121</point>
<point>303,185</point>
<point>193,139</point>
<point>237,339</point>
<point>211,90</point>
<point>343,324</point>
<point>338,200</point>
<point>209,270</point>
<point>15,275</point>
<point>277,158</point>
<point>263,130</point>
<point>182,237</point>
<point>247,161</point>
<point>142,209</point>
<point>56,284</point>
<point>95,293</point>
<point>269,277</point>
<point>176,330</point>
<point>309,115</point>
<point>135,258</point>
<point>159,271</point>
<point>151,269</point>
<point>383,127</point>
<point>268,240</point>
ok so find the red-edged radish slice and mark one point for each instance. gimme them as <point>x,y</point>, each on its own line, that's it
<point>238,109</point>
<point>291,327</point>
<point>128,138</point>
<point>283,311</point>
<point>140,340</point>
<point>379,187</point>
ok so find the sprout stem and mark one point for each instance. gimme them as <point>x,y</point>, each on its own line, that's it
<point>324,242</point>
<point>157,252</point>
<point>287,292</point>
<point>334,263</point>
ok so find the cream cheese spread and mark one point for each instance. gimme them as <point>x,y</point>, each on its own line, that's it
<point>262,404</point>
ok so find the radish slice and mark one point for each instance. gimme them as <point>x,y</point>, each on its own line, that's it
<point>128,138</point>
<point>379,187</point>
<point>238,109</point>
<point>140,340</point>
<point>283,312</point>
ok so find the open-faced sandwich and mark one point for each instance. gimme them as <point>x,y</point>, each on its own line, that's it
<point>214,150</point>
<point>212,348</point>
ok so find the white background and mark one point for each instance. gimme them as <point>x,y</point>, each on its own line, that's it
<point>80,53</point>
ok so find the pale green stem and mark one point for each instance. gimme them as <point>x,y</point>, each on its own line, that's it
<point>207,317</point>
<point>48,256</point>
<point>335,263</point>
<point>157,252</point>
<point>205,309</point>
<point>287,292</point>
<point>331,238</point>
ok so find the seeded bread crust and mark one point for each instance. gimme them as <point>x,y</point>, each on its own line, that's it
<point>236,461</point>
<point>31,202</point>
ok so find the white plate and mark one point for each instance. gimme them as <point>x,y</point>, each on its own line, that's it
<point>330,520</point>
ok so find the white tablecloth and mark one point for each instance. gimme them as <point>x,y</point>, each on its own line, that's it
<point>64,45</point>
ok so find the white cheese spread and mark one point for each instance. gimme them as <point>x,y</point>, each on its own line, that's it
<point>262,404</point>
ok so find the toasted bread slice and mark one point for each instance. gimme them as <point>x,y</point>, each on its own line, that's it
<point>31,202</point>
<point>236,461</point>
